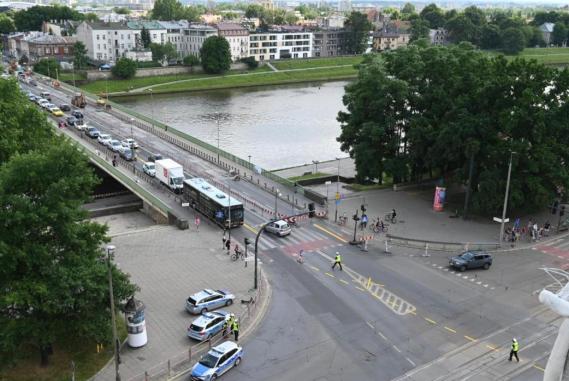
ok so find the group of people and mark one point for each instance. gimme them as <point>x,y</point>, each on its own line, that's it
<point>227,245</point>
<point>231,326</point>
<point>532,230</point>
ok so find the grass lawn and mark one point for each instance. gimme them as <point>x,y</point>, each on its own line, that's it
<point>116,85</point>
<point>270,78</point>
<point>309,177</point>
<point>79,75</point>
<point>316,62</point>
<point>87,361</point>
<point>546,56</point>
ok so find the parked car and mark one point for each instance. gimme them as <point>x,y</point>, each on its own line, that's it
<point>131,143</point>
<point>217,361</point>
<point>149,168</point>
<point>280,228</point>
<point>207,300</point>
<point>154,156</point>
<point>77,114</point>
<point>56,111</point>
<point>92,132</point>
<point>115,145</point>
<point>70,121</point>
<point>43,102</point>
<point>40,100</point>
<point>104,139</point>
<point>208,325</point>
<point>104,67</point>
<point>126,153</point>
<point>64,107</point>
<point>471,260</point>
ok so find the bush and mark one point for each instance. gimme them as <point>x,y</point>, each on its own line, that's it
<point>125,68</point>
<point>251,62</point>
<point>191,60</point>
<point>215,55</point>
<point>48,67</point>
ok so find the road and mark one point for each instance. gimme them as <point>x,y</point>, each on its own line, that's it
<point>384,316</point>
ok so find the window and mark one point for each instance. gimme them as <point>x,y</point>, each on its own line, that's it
<point>116,33</point>
<point>122,36</point>
<point>99,56</point>
<point>154,35</point>
<point>98,46</point>
<point>97,37</point>
<point>65,50</point>
<point>122,46</point>
<point>104,46</point>
<point>128,36</point>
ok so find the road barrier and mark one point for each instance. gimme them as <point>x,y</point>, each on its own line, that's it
<point>438,245</point>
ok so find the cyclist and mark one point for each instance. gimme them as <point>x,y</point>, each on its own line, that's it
<point>393,215</point>
<point>300,256</point>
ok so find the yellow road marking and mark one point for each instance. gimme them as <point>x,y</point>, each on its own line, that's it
<point>331,233</point>
<point>359,288</point>
<point>430,321</point>
<point>538,367</point>
<point>314,268</point>
<point>469,338</point>
<point>450,329</point>
<point>413,313</point>
<point>250,228</point>
<point>330,275</point>
<point>491,347</point>
<point>343,281</point>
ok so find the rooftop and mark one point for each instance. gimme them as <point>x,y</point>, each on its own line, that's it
<point>229,26</point>
<point>150,25</point>
<point>181,24</point>
<point>50,39</point>
<point>98,25</point>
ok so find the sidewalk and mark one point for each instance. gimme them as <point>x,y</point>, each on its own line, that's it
<point>347,170</point>
<point>168,265</point>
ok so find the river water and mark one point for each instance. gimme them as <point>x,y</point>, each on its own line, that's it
<point>279,126</point>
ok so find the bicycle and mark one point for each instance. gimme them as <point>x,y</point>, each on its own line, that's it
<point>376,228</point>
<point>238,254</point>
<point>300,258</point>
<point>342,220</point>
<point>389,217</point>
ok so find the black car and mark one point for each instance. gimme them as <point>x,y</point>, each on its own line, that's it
<point>77,114</point>
<point>154,156</point>
<point>471,260</point>
<point>70,121</point>
<point>64,107</point>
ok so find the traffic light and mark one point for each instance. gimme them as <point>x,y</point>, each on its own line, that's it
<point>247,241</point>
<point>554,207</point>
<point>311,210</point>
<point>363,207</point>
<point>562,211</point>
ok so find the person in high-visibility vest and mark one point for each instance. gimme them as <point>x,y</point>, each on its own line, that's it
<point>515,349</point>
<point>337,261</point>
<point>236,329</point>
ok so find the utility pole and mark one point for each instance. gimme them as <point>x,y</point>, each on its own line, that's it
<point>276,203</point>
<point>506,199</point>
<point>110,252</point>
<point>337,198</point>
<point>229,211</point>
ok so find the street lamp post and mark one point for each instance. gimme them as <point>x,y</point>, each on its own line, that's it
<point>276,202</point>
<point>337,192</point>
<point>315,162</point>
<point>506,199</point>
<point>229,211</point>
<point>152,102</point>
<point>131,123</point>
<point>249,160</point>
<point>327,201</point>
<point>110,253</point>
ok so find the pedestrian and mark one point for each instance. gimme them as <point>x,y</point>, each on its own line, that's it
<point>337,261</point>
<point>197,221</point>
<point>114,160</point>
<point>515,348</point>
<point>224,239</point>
<point>364,222</point>
<point>236,329</point>
<point>228,245</point>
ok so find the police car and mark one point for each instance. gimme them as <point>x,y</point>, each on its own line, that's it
<point>207,325</point>
<point>207,300</point>
<point>217,361</point>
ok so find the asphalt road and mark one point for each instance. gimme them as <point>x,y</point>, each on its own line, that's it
<point>381,317</point>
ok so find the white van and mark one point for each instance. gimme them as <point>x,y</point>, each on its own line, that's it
<point>280,228</point>
<point>46,95</point>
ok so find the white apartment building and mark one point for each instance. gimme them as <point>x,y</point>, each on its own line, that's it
<point>174,34</point>
<point>107,41</point>
<point>238,38</point>
<point>194,37</point>
<point>157,32</point>
<point>279,45</point>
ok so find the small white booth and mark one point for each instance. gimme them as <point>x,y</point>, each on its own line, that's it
<point>135,323</point>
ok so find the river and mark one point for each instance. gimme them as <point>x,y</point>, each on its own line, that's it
<point>279,126</point>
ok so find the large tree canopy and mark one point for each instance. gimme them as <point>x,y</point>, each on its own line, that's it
<point>357,32</point>
<point>431,109</point>
<point>32,18</point>
<point>215,55</point>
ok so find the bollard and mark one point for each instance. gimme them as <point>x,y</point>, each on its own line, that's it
<point>386,247</point>
<point>364,248</point>
<point>426,254</point>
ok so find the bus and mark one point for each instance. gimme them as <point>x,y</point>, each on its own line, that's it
<point>213,203</point>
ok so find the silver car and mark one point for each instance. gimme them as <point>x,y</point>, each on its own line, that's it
<point>280,228</point>
<point>207,300</point>
<point>115,145</point>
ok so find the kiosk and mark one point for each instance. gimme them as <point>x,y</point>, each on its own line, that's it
<point>135,323</point>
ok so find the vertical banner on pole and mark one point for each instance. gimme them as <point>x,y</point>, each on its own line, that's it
<point>439,202</point>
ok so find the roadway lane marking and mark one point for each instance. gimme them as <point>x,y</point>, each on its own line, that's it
<point>359,288</point>
<point>330,233</point>
<point>538,367</point>
<point>330,275</point>
<point>450,329</point>
<point>430,321</point>
<point>397,349</point>
<point>370,325</point>
<point>491,347</point>
<point>314,268</point>
<point>250,228</point>
<point>343,281</point>
<point>410,361</point>
<point>469,338</point>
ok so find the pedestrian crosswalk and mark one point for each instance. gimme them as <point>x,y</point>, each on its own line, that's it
<point>557,248</point>
<point>302,238</point>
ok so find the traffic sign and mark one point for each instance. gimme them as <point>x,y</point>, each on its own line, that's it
<point>506,220</point>
<point>337,195</point>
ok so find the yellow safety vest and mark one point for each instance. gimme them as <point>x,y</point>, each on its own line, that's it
<point>339,258</point>
<point>235,326</point>
<point>515,346</point>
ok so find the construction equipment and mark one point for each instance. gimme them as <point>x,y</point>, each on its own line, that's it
<point>78,100</point>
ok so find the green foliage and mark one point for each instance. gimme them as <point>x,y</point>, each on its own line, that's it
<point>6,24</point>
<point>125,68</point>
<point>433,15</point>
<point>91,17</point>
<point>163,53</point>
<point>48,66</point>
<point>357,30</point>
<point>32,18</point>
<point>307,11</point>
<point>419,29</point>
<point>79,55</point>
<point>191,60</point>
<point>559,35</point>
<point>408,9</point>
<point>121,10</point>
<point>167,10</point>
<point>490,38</point>
<point>399,124</point>
<point>250,62</point>
<point>215,55</point>
<point>513,41</point>
<point>145,37</point>
<point>255,10</point>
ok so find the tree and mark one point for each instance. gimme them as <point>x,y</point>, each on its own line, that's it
<point>191,61</point>
<point>91,17</point>
<point>559,35</point>
<point>32,18</point>
<point>47,66</point>
<point>357,28</point>
<point>167,10</point>
<point>461,29</point>
<point>121,10</point>
<point>6,24</point>
<point>475,15</point>
<point>408,9</point>
<point>419,29</point>
<point>513,41</point>
<point>125,68</point>
<point>490,37</point>
<point>52,272</point>
<point>254,10</point>
<point>433,15</point>
<point>79,55</point>
<point>145,37</point>
<point>163,53</point>
<point>215,55</point>
<point>290,18</point>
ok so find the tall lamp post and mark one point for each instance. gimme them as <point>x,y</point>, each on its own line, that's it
<point>110,254</point>
<point>506,199</point>
<point>152,102</point>
<point>337,198</point>
<point>131,123</point>
<point>276,203</point>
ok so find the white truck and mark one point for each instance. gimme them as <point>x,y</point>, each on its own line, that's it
<point>170,174</point>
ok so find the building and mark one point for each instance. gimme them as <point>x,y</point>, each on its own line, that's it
<point>194,36</point>
<point>38,45</point>
<point>546,30</point>
<point>238,38</point>
<point>438,36</point>
<point>158,33</point>
<point>389,40</point>
<point>107,42</point>
<point>209,18</point>
<point>329,43</point>
<point>174,34</point>
<point>275,45</point>
<point>334,21</point>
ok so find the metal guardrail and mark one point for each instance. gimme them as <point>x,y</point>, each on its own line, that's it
<point>440,246</point>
